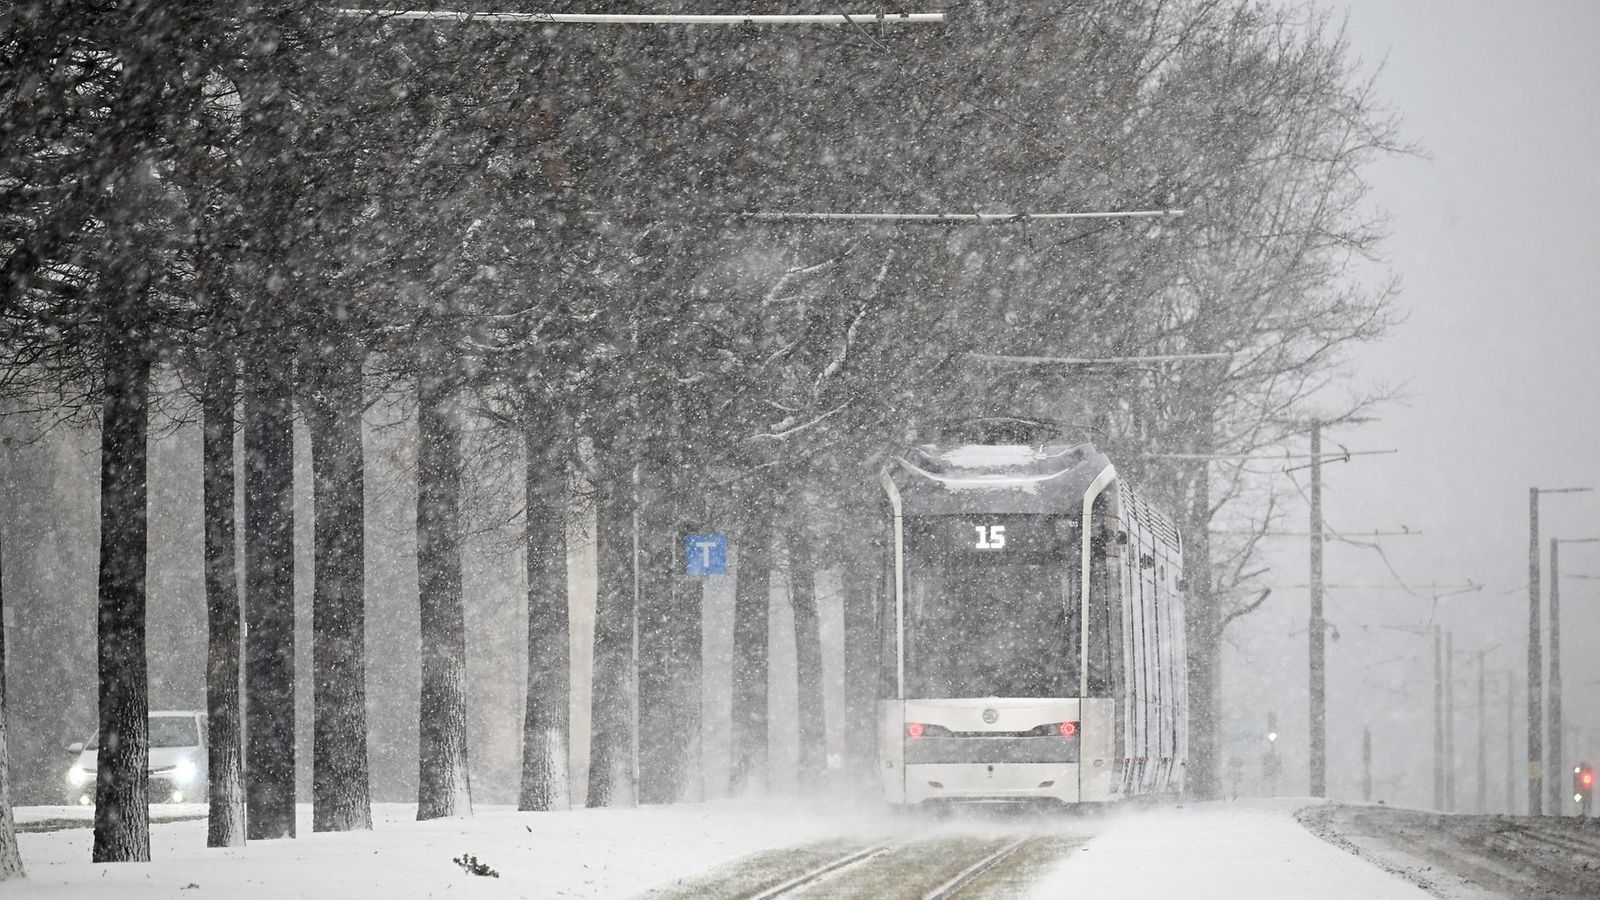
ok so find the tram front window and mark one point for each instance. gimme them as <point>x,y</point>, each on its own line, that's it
<point>991,606</point>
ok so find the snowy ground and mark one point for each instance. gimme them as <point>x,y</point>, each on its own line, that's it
<point>582,853</point>
<point>1238,851</point>
<point>1249,850</point>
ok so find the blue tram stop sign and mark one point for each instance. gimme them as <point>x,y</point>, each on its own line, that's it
<point>705,554</point>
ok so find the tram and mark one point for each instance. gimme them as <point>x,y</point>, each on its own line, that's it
<point>1033,631</point>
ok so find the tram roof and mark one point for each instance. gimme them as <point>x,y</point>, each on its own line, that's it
<point>953,477</point>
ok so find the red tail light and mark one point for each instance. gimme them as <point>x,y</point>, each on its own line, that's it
<point>1068,729</point>
<point>914,729</point>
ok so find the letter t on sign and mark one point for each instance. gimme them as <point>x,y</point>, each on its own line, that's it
<point>705,554</point>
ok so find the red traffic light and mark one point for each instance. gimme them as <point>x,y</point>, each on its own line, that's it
<point>1586,778</point>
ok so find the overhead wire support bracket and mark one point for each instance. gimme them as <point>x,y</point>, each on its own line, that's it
<point>539,18</point>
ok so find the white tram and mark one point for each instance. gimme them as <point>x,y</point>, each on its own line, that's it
<point>1033,640</point>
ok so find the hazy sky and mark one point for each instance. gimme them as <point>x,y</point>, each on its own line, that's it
<point>1497,239</point>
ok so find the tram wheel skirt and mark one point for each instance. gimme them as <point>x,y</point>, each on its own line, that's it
<point>1000,781</point>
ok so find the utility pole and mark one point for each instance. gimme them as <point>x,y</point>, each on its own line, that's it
<point>1555,760</point>
<point>1511,755</point>
<point>1535,662</point>
<point>1482,806</point>
<point>1318,636</point>
<point>1366,764</point>
<point>1449,722</point>
<point>1438,720</point>
<point>1535,714</point>
<point>1555,765</point>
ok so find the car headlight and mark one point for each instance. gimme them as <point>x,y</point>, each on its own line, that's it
<point>77,777</point>
<point>185,770</point>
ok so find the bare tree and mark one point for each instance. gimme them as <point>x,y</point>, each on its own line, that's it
<point>443,786</point>
<point>545,727</point>
<point>225,824</point>
<point>333,402</point>
<point>122,811</point>
<point>10,856</point>
<point>808,650</point>
<point>612,721</point>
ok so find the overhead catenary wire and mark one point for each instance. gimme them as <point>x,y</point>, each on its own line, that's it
<point>1340,454</point>
<point>543,18</point>
<point>968,218</point>
<point>1095,361</point>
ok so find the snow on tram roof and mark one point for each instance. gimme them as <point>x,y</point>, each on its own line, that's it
<point>994,456</point>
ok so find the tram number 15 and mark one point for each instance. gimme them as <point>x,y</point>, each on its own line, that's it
<point>990,537</point>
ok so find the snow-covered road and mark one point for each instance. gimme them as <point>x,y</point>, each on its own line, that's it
<point>1253,849</point>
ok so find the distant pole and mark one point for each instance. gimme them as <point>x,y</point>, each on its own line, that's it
<point>1511,750</point>
<point>1270,764</point>
<point>1555,764</point>
<point>1449,721</point>
<point>1319,724</point>
<point>1535,713</point>
<point>1366,764</point>
<point>1438,720</point>
<point>1482,806</point>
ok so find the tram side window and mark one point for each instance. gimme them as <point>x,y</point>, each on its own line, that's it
<point>1099,653</point>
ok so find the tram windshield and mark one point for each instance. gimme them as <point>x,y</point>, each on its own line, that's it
<point>991,606</point>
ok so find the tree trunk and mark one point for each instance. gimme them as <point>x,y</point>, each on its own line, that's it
<point>224,753</point>
<point>10,857</point>
<point>443,788</point>
<point>340,799</point>
<point>268,446</point>
<point>687,636</point>
<point>863,591</point>
<point>808,655</point>
<point>751,603</point>
<point>545,729</point>
<point>1203,641</point>
<point>611,720</point>
<point>659,714</point>
<point>269,597</point>
<point>122,811</point>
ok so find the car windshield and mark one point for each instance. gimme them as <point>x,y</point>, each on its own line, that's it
<point>165,731</point>
<point>990,606</point>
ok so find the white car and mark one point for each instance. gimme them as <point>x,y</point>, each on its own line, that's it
<point>177,760</point>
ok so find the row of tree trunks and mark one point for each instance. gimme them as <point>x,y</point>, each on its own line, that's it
<point>10,856</point>
<point>225,824</point>
<point>122,811</point>
<point>339,786</point>
<point>545,727</point>
<point>443,787</point>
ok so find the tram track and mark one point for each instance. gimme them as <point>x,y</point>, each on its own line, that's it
<point>935,866</point>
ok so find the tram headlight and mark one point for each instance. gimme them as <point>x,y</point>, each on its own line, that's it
<point>77,776</point>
